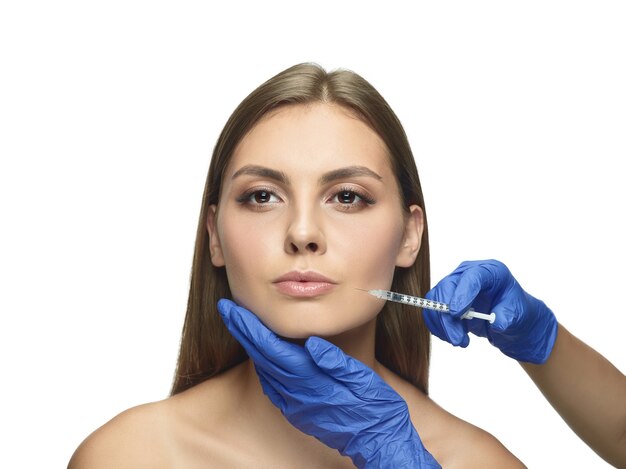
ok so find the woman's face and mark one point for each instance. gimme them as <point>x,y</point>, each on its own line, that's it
<point>309,212</point>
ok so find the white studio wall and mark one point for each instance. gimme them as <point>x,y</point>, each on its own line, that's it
<point>108,117</point>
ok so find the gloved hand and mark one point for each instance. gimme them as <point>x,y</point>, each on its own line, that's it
<point>330,395</point>
<point>524,329</point>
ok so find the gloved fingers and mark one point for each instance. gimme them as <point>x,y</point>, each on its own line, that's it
<point>444,325</point>
<point>270,388</point>
<point>248,334</point>
<point>488,286</point>
<point>483,281</point>
<point>264,347</point>
<point>507,316</point>
<point>444,290</point>
<point>470,284</point>
<point>360,379</point>
<point>304,404</point>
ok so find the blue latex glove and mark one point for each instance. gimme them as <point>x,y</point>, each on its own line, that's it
<point>327,394</point>
<point>524,329</point>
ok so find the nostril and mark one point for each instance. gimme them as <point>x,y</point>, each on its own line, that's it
<point>297,248</point>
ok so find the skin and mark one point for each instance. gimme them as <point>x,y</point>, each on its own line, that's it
<point>310,228</point>
<point>574,374</point>
<point>307,223</point>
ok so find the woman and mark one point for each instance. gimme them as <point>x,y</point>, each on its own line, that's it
<point>312,194</point>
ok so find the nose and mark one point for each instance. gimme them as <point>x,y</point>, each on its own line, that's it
<point>304,233</point>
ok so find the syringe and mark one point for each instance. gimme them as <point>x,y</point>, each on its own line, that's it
<point>428,304</point>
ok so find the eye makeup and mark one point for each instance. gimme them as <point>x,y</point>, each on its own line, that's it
<point>258,198</point>
<point>350,198</point>
<point>346,198</point>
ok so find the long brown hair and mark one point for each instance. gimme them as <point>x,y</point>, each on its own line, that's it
<point>402,339</point>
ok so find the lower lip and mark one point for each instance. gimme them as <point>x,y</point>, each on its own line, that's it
<point>304,289</point>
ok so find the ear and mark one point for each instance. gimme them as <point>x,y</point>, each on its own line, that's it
<point>215,248</point>
<point>412,240</point>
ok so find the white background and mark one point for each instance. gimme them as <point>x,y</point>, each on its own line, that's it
<point>108,115</point>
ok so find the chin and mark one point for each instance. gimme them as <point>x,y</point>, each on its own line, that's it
<point>291,332</point>
<point>300,331</point>
<point>322,317</point>
<point>322,325</point>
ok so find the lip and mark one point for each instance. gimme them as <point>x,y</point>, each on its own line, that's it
<point>304,284</point>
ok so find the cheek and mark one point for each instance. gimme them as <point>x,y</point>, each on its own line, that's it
<point>248,244</point>
<point>370,247</point>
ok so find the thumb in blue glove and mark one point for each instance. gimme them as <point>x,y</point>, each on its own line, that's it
<point>525,328</point>
<point>327,394</point>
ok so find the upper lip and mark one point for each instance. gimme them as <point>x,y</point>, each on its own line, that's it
<point>295,276</point>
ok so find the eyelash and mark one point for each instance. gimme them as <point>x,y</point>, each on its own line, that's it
<point>245,198</point>
<point>365,199</point>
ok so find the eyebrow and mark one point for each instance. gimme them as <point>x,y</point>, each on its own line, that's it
<point>262,171</point>
<point>348,172</point>
<point>330,176</point>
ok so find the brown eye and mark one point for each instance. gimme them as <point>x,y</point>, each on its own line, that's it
<point>346,197</point>
<point>348,200</point>
<point>259,197</point>
<point>262,197</point>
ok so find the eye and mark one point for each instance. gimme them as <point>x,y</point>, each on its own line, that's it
<point>261,197</point>
<point>349,199</point>
<point>258,198</point>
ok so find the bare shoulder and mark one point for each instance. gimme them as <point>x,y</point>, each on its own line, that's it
<point>135,438</point>
<point>184,430</point>
<point>452,441</point>
<point>468,446</point>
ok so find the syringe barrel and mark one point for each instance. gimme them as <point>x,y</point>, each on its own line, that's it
<point>417,301</point>
<point>427,304</point>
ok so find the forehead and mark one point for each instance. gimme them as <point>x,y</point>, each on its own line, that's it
<point>310,139</point>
